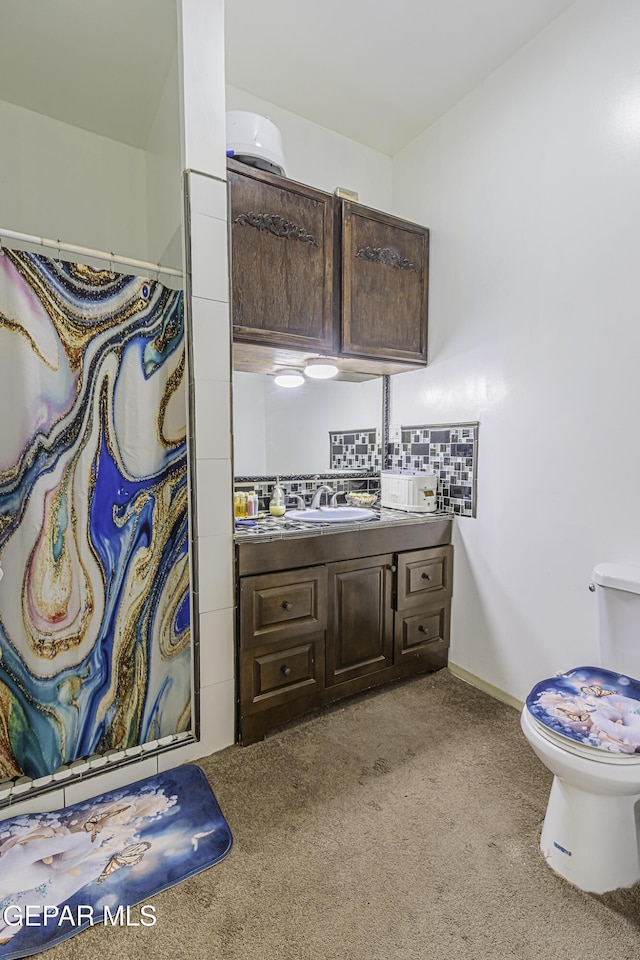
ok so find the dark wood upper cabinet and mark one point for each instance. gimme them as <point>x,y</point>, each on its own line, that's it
<point>385,277</point>
<point>312,274</point>
<point>282,261</point>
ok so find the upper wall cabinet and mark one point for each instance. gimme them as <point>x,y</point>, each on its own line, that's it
<point>282,277</point>
<point>311,274</point>
<point>385,276</point>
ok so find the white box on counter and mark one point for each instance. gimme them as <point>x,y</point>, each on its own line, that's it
<point>412,490</point>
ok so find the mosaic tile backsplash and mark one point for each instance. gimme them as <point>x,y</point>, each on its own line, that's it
<point>355,450</point>
<point>307,485</point>
<point>451,453</point>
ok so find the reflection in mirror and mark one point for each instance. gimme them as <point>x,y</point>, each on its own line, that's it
<point>286,432</point>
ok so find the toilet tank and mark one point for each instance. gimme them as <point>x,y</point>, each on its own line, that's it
<point>617,588</point>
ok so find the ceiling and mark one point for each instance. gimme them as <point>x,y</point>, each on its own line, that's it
<point>97,65</point>
<point>378,72</point>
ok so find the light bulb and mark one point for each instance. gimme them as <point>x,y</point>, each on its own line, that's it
<point>320,369</point>
<point>289,378</point>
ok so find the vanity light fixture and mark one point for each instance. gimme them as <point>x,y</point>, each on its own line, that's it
<point>322,368</point>
<point>289,378</point>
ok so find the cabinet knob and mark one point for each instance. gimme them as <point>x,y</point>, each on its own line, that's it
<point>426,576</point>
<point>423,629</point>
<point>392,567</point>
<point>286,605</point>
<point>285,669</point>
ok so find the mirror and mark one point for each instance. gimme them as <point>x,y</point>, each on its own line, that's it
<point>286,432</point>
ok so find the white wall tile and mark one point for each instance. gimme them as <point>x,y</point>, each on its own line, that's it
<point>47,801</point>
<point>217,646</point>
<point>214,497</point>
<point>209,266</point>
<point>203,94</point>
<point>217,726</point>
<point>211,334</point>
<point>110,780</point>
<point>213,420</point>
<point>216,563</point>
<point>208,196</point>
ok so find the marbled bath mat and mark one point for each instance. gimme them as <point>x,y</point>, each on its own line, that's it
<point>89,863</point>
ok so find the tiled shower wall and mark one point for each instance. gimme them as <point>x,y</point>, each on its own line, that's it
<point>451,453</point>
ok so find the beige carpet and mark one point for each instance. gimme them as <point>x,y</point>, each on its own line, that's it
<point>403,824</point>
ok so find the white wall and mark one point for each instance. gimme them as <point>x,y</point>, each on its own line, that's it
<point>250,424</point>
<point>59,181</point>
<point>298,421</point>
<point>321,157</point>
<point>163,172</point>
<point>530,186</point>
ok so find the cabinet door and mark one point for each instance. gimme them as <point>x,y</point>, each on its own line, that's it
<point>360,618</point>
<point>424,577</point>
<point>282,237</point>
<point>423,634</point>
<point>281,607</point>
<point>385,269</point>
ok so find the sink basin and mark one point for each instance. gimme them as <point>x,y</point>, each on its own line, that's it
<point>331,515</point>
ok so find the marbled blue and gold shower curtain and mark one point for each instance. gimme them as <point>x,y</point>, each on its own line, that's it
<point>95,646</point>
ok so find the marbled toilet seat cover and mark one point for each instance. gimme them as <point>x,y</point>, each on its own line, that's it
<point>591,706</point>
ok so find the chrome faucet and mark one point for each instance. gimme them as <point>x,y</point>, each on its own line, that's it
<point>317,497</point>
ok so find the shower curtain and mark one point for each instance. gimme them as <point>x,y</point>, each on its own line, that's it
<point>95,640</point>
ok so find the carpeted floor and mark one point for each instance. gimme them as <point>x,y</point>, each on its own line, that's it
<point>402,825</point>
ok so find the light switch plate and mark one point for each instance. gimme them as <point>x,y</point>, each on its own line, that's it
<point>395,433</point>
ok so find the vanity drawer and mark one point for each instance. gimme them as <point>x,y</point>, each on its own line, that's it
<point>280,606</point>
<point>422,633</point>
<point>424,577</point>
<point>272,677</point>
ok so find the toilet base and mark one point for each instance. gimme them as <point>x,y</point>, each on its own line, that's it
<point>592,840</point>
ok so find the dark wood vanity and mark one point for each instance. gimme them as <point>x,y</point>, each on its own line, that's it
<point>326,616</point>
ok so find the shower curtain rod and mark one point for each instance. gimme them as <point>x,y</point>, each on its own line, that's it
<point>87,251</point>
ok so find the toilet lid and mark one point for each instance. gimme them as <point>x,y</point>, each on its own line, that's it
<point>591,707</point>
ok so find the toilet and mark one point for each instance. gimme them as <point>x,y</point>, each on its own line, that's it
<point>584,725</point>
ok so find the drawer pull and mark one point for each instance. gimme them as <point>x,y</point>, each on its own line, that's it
<point>286,605</point>
<point>426,576</point>
<point>285,670</point>
<point>423,629</point>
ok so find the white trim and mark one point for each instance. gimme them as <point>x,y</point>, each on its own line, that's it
<point>487,687</point>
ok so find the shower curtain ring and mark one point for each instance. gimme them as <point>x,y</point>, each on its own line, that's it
<point>112,273</point>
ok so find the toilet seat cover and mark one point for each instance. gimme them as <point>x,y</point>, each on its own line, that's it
<point>591,706</point>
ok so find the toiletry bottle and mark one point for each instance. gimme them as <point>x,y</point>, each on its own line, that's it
<point>277,504</point>
<point>252,503</point>
<point>240,504</point>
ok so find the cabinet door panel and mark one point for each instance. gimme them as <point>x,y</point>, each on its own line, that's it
<point>278,606</point>
<point>423,633</point>
<point>359,625</point>
<point>385,265</point>
<point>271,677</point>
<point>424,577</point>
<point>282,282</point>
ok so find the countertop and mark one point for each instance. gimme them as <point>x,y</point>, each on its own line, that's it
<point>279,528</point>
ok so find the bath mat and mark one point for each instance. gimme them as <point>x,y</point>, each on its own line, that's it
<point>592,706</point>
<point>90,863</point>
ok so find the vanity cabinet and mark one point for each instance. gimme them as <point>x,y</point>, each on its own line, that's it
<point>311,635</point>
<point>312,274</point>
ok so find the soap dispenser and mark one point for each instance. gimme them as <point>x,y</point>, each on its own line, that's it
<point>277,505</point>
